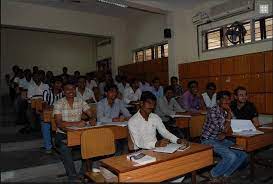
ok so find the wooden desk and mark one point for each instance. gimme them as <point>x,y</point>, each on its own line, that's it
<point>254,143</point>
<point>194,123</point>
<point>74,136</point>
<point>167,166</point>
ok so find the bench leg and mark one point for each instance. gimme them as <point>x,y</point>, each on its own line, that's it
<point>193,177</point>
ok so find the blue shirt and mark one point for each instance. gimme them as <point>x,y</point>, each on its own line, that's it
<point>105,113</point>
<point>158,93</point>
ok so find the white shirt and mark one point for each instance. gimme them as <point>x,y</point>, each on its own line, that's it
<point>129,95</point>
<point>121,87</point>
<point>143,133</point>
<point>23,83</point>
<point>91,84</point>
<point>145,87</point>
<point>165,108</point>
<point>34,90</point>
<point>208,101</point>
<point>87,95</point>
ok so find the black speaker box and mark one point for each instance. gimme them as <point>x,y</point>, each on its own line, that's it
<point>167,33</point>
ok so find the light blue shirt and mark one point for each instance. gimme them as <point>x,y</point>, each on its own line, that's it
<point>158,93</point>
<point>105,113</point>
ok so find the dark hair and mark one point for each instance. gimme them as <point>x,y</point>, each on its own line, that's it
<point>77,72</point>
<point>147,95</point>
<point>133,80</point>
<point>59,79</point>
<point>211,85</point>
<point>109,87</point>
<point>81,77</point>
<point>69,82</point>
<point>221,94</point>
<point>168,88</point>
<point>192,82</point>
<point>239,88</point>
<point>173,77</point>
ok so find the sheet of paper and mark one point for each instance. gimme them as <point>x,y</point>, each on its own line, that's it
<point>170,148</point>
<point>238,125</point>
<point>123,124</point>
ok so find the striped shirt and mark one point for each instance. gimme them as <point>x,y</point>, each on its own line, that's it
<point>50,98</point>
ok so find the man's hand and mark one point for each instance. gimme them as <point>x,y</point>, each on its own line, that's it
<point>81,124</point>
<point>116,119</point>
<point>162,143</point>
<point>92,122</point>
<point>182,141</point>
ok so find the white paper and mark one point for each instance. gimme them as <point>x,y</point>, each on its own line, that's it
<point>123,124</point>
<point>170,148</point>
<point>144,160</point>
<point>244,128</point>
<point>180,116</point>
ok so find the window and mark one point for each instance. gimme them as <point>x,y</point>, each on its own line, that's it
<point>213,39</point>
<point>159,54</point>
<point>268,27</point>
<point>257,30</point>
<point>151,52</point>
<point>261,29</point>
<point>139,56</point>
<point>148,54</point>
<point>166,51</point>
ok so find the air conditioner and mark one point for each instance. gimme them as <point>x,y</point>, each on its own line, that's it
<point>230,8</point>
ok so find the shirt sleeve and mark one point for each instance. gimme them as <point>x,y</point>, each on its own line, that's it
<point>164,132</point>
<point>57,108</point>
<point>30,92</point>
<point>100,113</point>
<point>126,96</point>
<point>124,110</point>
<point>177,107</point>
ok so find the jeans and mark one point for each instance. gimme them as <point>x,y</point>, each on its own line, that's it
<point>231,159</point>
<point>46,133</point>
<point>66,156</point>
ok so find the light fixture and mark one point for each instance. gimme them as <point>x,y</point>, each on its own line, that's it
<point>113,3</point>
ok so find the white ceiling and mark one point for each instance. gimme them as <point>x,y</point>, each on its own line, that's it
<point>137,7</point>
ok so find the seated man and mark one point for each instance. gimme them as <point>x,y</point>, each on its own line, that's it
<point>110,108</point>
<point>122,85</point>
<point>67,112</point>
<point>132,93</point>
<point>157,90</point>
<point>209,96</point>
<point>191,99</point>
<point>242,108</point>
<point>167,105</point>
<point>83,92</point>
<point>143,125</point>
<point>50,96</point>
<point>214,133</point>
<point>177,89</point>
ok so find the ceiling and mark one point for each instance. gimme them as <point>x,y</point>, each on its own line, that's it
<point>136,7</point>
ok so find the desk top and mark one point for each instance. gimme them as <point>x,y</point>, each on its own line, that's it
<point>121,164</point>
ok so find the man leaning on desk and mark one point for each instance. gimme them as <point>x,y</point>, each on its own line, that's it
<point>143,125</point>
<point>67,112</point>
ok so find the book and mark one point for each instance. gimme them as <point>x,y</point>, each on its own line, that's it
<point>170,148</point>
<point>180,116</point>
<point>140,158</point>
<point>244,128</point>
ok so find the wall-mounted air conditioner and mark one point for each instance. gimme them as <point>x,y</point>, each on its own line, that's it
<point>230,8</point>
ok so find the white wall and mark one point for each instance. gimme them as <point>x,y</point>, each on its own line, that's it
<point>104,51</point>
<point>49,51</point>
<point>37,16</point>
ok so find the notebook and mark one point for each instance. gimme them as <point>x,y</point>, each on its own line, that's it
<point>170,148</point>
<point>140,158</point>
<point>244,128</point>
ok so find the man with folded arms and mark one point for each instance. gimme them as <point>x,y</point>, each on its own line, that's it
<point>67,112</point>
<point>214,133</point>
<point>143,125</point>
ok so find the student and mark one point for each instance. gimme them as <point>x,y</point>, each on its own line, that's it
<point>83,92</point>
<point>42,75</point>
<point>143,125</point>
<point>242,108</point>
<point>110,108</point>
<point>49,78</point>
<point>191,99</point>
<point>26,81</point>
<point>50,96</point>
<point>214,133</point>
<point>177,89</point>
<point>36,89</point>
<point>157,90</point>
<point>67,112</point>
<point>35,69</point>
<point>132,94</point>
<point>209,96</point>
<point>123,85</point>
<point>64,75</point>
<point>167,105</point>
<point>144,85</point>
<point>90,81</point>
<point>108,80</point>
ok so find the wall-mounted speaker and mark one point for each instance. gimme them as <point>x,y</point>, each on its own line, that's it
<point>167,33</point>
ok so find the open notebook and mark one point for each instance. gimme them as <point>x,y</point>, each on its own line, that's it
<point>170,148</point>
<point>244,128</point>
